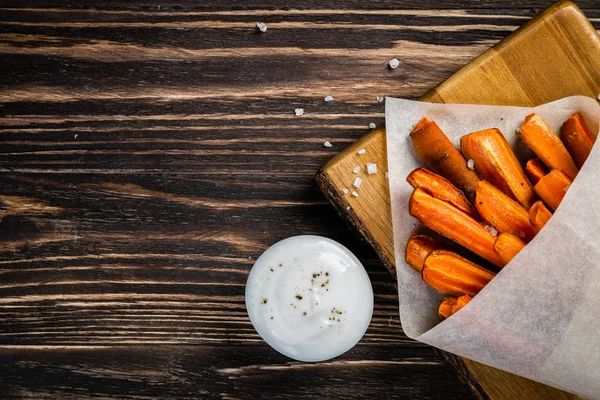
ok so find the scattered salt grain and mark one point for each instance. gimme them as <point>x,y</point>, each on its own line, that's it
<point>491,230</point>
<point>471,164</point>
<point>357,182</point>
<point>387,175</point>
<point>328,99</point>
<point>362,151</point>
<point>345,190</point>
<point>394,63</point>
<point>327,144</point>
<point>347,208</point>
<point>299,111</point>
<point>356,169</point>
<point>75,136</point>
<point>380,99</point>
<point>372,125</point>
<point>371,168</point>
<point>354,194</point>
<point>261,27</point>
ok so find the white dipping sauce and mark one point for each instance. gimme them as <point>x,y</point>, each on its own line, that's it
<point>309,298</point>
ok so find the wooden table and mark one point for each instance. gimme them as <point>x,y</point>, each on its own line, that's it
<point>150,152</point>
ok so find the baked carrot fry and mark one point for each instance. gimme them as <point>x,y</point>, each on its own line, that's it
<point>461,302</point>
<point>502,212</point>
<point>535,169</point>
<point>538,216</point>
<point>437,152</point>
<point>449,221</point>
<point>507,246</point>
<point>538,136</point>
<point>552,188</point>
<point>495,161</point>
<point>451,274</point>
<point>578,138</point>
<point>440,188</point>
<point>418,248</point>
<point>445,309</point>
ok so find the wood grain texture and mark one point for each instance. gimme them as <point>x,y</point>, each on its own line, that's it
<point>149,153</point>
<point>555,55</point>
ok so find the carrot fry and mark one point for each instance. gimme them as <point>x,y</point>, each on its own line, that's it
<point>553,187</point>
<point>538,136</point>
<point>538,216</point>
<point>453,223</point>
<point>461,302</point>
<point>451,274</point>
<point>445,310</point>
<point>418,248</point>
<point>440,188</point>
<point>535,169</point>
<point>502,212</point>
<point>507,246</point>
<point>437,152</point>
<point>578,138</point>
<point>495,161</point>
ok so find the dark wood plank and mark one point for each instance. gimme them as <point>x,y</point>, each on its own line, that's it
<point>149,154</point>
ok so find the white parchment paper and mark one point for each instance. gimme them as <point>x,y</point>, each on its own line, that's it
<point>540,316</point>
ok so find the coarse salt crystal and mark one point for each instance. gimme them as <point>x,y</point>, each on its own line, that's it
<point>327,144</point>
<point>362,151</point>
<point>328,98</point>
<point>387,175</point>
<point>355,194</point>
<point>380,99</point>
<point>357,182</point>
<point>261,27</point>
<point>491,230</point>
<point>347,208</point>
<point>372,125</point>
<point>471,164</point>
<point>371,168</point>
<point>394,63</point>
<point>356,169</point>
<point>299,111</point>
<point>345,190</point>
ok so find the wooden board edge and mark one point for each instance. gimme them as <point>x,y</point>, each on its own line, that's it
<point>463,373</point>
<point>434,94</point>
<point>339,203</point>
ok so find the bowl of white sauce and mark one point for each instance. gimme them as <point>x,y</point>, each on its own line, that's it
<point>309,298</point>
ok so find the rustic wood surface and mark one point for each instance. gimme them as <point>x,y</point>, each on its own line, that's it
<point>150,152</point>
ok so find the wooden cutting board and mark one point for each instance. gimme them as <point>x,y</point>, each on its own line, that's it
<point>556,54</point>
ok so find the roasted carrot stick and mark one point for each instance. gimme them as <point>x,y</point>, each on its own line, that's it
<point>552,188</point>
<point>440,188</point>
<point>578,138</point>
<point>495,161</point>
<point>535,169</point>
<point>449,221</point>
<point>437,152</point>
<point>445,309</point>
<point>538,216</point>
<point>502,212</point>
<point>538,136</point>
<point>451,274</point>
<point>418,248</point>
<point>507,246</point>
<point>461,302</point>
